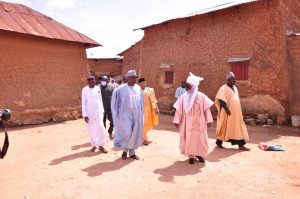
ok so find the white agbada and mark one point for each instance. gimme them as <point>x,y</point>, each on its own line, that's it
<point>92,107</point>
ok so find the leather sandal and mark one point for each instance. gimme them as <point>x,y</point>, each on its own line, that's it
<point>102,149</point>
<point>135,157</point>
<point>191,160</point>
<point>124,155</point>
<point>200,159</point>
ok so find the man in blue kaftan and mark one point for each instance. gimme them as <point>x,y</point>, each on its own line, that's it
<point>127,108</point>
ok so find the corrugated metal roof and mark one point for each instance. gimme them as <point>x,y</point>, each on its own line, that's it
<point>291,33</point>
<point>207,10</point>
<point>22,19</point>
<point>237,59</point>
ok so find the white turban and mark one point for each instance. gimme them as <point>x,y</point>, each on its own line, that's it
<point>190,96</point>
<point>194,80</point>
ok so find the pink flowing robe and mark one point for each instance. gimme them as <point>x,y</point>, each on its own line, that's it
<point>193,125</point>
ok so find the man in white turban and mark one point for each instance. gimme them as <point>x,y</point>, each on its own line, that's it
<point>230,122</point>
<point>193,117</point>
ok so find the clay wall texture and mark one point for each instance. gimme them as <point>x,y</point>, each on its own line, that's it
<point>41,79</point>
<point>294,54</point>
<point>109,66</point>
<point>202,44</point>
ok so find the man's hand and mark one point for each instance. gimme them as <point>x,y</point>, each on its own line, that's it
<point>176,125</point>
<point>86,119</point>
<point>157,110</point>
<point>228,111</point>
<point>208,125</point>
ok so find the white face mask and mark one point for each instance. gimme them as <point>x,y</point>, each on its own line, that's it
<point>103,83</point>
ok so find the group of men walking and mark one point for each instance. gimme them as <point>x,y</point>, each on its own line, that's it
<point>130,108</point>
<point>132,111</point>
<point>193,117</point>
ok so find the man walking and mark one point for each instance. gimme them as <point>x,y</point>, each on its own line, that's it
<point>230,122</point>
<point>150,109</point>
<point>106,92</point>
<point>127,109</point>
<point>92,112</point>
<point>193,117</point>
<point>180,90</point>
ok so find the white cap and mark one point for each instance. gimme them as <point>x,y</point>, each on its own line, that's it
<point>131,73</point>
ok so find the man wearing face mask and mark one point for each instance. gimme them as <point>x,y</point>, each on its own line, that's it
<point>106,91</point>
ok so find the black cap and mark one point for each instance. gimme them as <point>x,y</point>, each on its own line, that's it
<point>142,80</point>
<point>91,77</point>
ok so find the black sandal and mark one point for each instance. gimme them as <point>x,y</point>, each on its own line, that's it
<point>124,155</point>
<point>135,157</point>
<point>102,149</point>
<point>191,161</point>
<point>200,159</point>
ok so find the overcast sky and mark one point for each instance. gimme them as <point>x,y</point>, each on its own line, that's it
<point>111,22</point>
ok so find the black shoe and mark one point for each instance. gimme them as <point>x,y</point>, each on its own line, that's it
<point>102,149</point>
<point>191,161</point>
<point>94,149</point>
<point>219,144</point>
<point>135,157</point>
<point>124,155</point>
<point>200,159</point>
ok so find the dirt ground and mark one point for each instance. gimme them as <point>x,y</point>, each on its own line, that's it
<point>54,161</point>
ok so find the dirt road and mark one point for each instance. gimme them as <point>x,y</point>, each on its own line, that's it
<point>54,161</point>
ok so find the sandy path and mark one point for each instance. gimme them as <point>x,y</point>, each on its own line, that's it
<point>53,161</point>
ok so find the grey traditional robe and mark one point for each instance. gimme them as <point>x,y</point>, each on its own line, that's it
<point>127,109</point>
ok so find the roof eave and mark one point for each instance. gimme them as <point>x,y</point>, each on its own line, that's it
<point>205,11</point>
<point>89,45</point>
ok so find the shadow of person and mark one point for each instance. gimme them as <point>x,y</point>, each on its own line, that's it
<point>102,167</point>
<point>166,124</point>
<point>178,168</point>
<point>117,149</point>
<point>218,154</point>
<point>76,147</point>
<point>82,154</point>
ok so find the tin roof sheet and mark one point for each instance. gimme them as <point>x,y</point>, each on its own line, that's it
<point>207,10</point>
<point>22,19</point>
<point>238,59</point>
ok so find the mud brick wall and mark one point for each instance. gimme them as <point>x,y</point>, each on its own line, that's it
<point>41,79</point>
<point>105,66</point>
<point>202,44</point>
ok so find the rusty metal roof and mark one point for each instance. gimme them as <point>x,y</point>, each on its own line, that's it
<point>207,10</point>
<point>22,19</point>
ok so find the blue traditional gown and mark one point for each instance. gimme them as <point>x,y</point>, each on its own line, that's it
<point>127,108</point>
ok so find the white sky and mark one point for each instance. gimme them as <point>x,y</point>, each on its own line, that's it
<point>111,22</point>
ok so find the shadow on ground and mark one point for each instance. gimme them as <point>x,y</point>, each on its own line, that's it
<point>178,168</point>
<point>100,168</point>
<point>74,156</point>
<point>259,134</point>
<point>76,147</point>
<point>217,154</point>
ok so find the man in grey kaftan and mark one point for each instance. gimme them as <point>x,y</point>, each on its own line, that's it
<point>127,109</point>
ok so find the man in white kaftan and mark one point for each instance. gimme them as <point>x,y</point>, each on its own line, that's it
<point>127,106</point>
<point>92,112</point>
